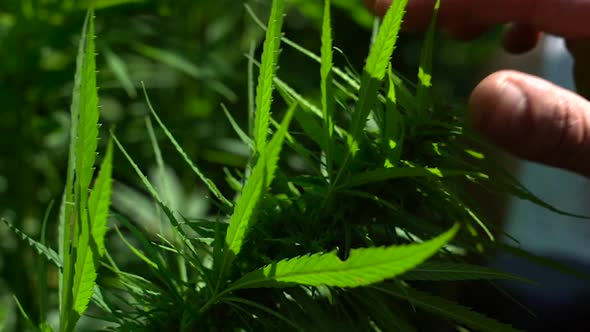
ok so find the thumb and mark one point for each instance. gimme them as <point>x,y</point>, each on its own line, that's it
<point>533,119</point>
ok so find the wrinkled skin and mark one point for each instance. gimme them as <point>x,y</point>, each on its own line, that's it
<point>528,116</point>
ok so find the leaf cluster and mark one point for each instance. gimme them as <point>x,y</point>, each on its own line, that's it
<point>337,240</point>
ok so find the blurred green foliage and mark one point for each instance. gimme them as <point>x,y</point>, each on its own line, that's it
<point>190,54</point>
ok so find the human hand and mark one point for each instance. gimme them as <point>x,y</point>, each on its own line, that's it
<point>526,115</point>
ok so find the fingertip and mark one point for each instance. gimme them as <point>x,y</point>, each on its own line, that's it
<point>533,119</point>
<point>520,38</point>
<point>496,106</point>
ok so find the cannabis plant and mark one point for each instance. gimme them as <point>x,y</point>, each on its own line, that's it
<point>349,210</point>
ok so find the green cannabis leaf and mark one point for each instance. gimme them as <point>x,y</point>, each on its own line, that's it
<point>270,56</point>
<point>363,267</point>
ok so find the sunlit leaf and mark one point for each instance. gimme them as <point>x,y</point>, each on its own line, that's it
<point>326,86</point>
<point>100,200</point>
<point>258,182</point>
<point>363,267</point>
<point>425,69</point>
<point>270,56</point>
